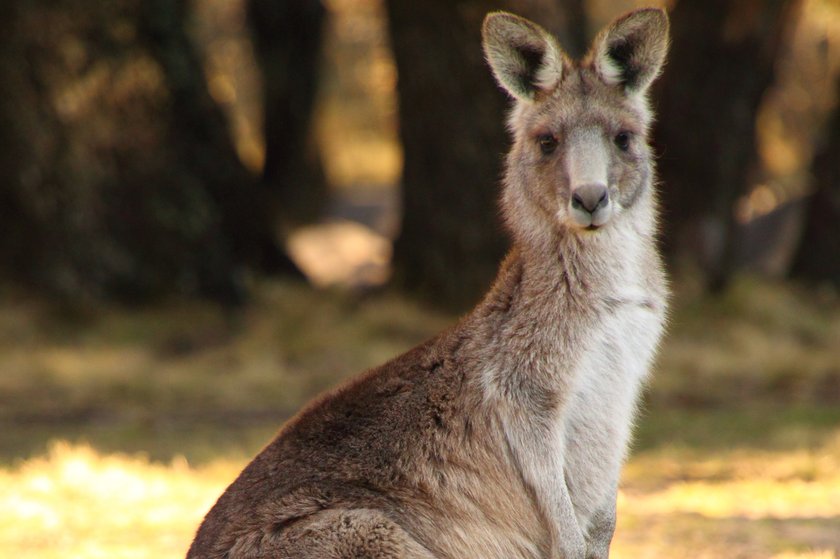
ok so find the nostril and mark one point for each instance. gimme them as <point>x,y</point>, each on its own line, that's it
<point>590,197</point>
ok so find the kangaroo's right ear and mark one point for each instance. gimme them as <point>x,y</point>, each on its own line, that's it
<point>525,58</point>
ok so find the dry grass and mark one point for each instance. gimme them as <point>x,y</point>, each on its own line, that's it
<point>732,503</point>
<point>76,502</point>
<point>758,341</point>
<point>157,410</point>
<point>186,378</point>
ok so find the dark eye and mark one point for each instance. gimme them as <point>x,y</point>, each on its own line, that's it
<point>548,143</point>
<point>622,141</point>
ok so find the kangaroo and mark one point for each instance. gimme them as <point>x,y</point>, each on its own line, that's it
<point>502,437</point>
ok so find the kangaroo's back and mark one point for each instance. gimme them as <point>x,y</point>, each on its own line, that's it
<point>502,437</point>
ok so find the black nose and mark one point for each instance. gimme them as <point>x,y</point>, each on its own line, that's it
<point>590,197</point>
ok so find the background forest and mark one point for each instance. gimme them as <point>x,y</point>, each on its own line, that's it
<point>210,211</point>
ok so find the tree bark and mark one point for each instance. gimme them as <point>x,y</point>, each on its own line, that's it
<point>288,39</point>
<point>14,221</point>
<point>818,256</point>
<point>453,137</point>
<point>121,181</point>
<point>199,137</point>
<point>249,209</point>
<point>722,61</point>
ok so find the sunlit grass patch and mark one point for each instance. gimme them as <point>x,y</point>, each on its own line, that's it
<point>693,536</point>
<point>763,497</point>
<point>76,502</point>
<point>745,518</point>
<point>827,554</point>
<point>747,498</point>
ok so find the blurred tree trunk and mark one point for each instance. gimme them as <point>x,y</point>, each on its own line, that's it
<point>453,137</point>
<point>722,61</point>
<point>818,256</point>
<point>199,137</point>
<point>248,210</point>
<point>13,216</point>
<point>121,181</point>
<point>288,38</point>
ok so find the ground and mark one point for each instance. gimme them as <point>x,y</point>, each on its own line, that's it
<point>124,425</point>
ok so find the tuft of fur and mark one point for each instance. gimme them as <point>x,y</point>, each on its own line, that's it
<point>502,437</point>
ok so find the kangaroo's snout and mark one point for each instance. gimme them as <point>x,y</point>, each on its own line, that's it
<point>587,165</point>
<point>590,197</point>
<point>590,205</point>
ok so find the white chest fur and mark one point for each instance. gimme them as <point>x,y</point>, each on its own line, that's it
<point>597,422</point>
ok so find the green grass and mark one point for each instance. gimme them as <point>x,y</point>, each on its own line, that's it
<point>737,451</point>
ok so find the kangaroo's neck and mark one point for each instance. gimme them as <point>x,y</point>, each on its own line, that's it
<point>548,301</point>
<point>577,273</point>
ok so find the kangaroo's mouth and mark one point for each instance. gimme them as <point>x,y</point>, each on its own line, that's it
<point>591,221</point>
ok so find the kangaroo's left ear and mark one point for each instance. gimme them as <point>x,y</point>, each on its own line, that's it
<point>631,51</point>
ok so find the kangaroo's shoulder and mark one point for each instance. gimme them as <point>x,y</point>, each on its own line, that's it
<point>364,426</point>
<point>343,449</point>
<point>396,395</point>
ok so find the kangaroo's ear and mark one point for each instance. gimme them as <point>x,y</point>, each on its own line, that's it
<point>525,58</point>
<point>631,51</point>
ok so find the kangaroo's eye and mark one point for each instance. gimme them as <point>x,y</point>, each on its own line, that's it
<point>622,141</point>
<point>548,143</point>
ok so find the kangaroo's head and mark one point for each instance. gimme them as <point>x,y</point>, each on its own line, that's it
<point>580,157</point>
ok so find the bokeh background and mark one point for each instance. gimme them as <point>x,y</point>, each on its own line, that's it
<point>212,210</point>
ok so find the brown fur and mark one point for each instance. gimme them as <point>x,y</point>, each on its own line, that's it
<point>501,437</point>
